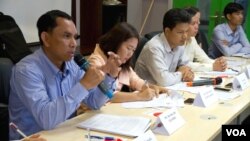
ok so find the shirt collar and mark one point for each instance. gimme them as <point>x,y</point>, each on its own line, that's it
<point>165,43</point>
<point>53,71</point>
<point>229,30</point>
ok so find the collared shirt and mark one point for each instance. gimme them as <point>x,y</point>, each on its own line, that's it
<point>238,42</point>
<point>197,58</point>
<point>129,78</point>
<point>42,96</point>
<point>158,63</point>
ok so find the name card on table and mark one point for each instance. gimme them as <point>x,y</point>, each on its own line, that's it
<point>240,82</point>
<point>205,97</point>
<point>248,71</point>
<point>168,122</point>
<point>147,136</point>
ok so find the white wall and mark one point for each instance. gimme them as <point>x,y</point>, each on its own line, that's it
<point>27,12</point>
<point>78,25</point>
<point>134,13</point>
<point>137,10</point>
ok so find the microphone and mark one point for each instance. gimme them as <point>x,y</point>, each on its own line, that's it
<point>213,81</point>
<point>84,64</point>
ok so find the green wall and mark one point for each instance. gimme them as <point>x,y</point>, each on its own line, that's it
<point>183,3</point>
<point>247,22</point>
<point>217,6</point>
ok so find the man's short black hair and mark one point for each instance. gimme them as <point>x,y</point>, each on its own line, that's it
<point>175,16</point>
<point>47,22</point>
<point>231,8</point>
<point>192,10</point>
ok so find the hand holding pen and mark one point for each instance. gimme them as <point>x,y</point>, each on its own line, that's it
<point>158,89</point>
<point>146,93</point>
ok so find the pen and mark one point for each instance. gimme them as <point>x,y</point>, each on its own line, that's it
<point>221,76</point>
<point>206,77</point>
<point>88,134</point>
<point>12,125</point>
<point>103,138</point>
<point>156,114</point>
<point>223,89</point>
<point>234,70</point>
<point>146,83</point>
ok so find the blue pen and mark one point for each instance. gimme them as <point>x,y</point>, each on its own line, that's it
<point>103,138</point>
<point>109,139</point>
<point>234,70</point>
<point>93,137</point>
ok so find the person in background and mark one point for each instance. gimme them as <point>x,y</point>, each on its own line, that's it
<point>47,87</point>
<point>198,59</point>
<point>160,60</point>
<point>229,38</point>
<point>123,39</point>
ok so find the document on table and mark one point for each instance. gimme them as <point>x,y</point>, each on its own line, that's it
<point>233,63</point>
<point>182,86</point>
<point>224,95</point>
<point>124,125</point>
<point>244,55</point>
<point>161,101</point>
<point>220,73</point>
<point>174,100</point>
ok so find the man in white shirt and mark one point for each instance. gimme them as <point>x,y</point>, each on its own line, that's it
<point>160,61</point>
<point>198,59</point>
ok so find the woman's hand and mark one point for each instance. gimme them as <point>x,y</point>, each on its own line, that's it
<point>146,94</point>
<point>158,89</point>
<point>112,66</point>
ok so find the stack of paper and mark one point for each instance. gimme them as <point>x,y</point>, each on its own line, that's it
<point>123,125</point>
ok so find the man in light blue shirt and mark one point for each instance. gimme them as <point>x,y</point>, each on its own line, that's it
<point>229,38</point>
<point>47,86</point>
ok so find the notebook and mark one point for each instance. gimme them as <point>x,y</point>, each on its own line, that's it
<point>131,126</point>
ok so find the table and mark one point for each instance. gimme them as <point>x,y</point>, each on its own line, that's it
<point>201,124</point>
<point>196,127</point>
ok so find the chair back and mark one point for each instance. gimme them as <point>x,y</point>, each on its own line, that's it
<point>202,38</point>
<point>152,34</point>
<point>5,74</point>
<point>138,50</point>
